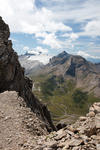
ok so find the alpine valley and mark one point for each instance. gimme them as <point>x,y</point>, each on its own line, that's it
<point>67,82</point>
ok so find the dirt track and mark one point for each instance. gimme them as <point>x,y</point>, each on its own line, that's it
<point>19,127</point>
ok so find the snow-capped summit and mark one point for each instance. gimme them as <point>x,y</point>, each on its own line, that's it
<point>33,60</point>
<point>36,56</point>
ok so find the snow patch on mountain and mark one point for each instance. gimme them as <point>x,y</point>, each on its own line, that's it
<point>37,56</point>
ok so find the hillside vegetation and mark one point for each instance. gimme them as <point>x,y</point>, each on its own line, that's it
<point>63,99</point>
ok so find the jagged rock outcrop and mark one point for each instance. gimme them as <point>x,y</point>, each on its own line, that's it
<point>83,135</point>
<point>12,77</point>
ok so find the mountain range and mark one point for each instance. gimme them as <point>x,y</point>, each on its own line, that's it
<point>30,65</point>
<point>83,73</point>
<point>33,61</point>
<point>66,82</point>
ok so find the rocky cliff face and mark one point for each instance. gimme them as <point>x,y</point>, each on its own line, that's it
<point>12,77</point>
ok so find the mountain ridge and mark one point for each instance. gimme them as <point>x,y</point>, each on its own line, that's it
<point>37,60</point>
<point>66,82</point>
<point>74,67</point>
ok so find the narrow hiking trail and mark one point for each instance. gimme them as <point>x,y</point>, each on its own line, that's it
<point>19,127</point>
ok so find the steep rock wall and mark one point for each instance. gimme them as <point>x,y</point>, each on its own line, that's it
<point>12,77</point>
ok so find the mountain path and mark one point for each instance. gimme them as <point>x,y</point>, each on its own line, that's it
<point>19,127</point>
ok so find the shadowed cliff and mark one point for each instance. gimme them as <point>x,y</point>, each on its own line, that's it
<point>12,77</point>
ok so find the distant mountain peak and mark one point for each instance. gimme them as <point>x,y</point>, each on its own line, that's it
<point>62,54</point>
<point>60,58</point>
<point>30,53</point>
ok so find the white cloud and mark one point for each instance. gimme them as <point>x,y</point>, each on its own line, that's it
<point>41,58</point>
<point>54,15</point>
<point>72,36</point>
<point>86,13</point>
<point>92,29</point>
<point>86,55</point>
<point>42,50</point>
<point>41,34</point>
<point>25,48</point>
<point>53,27</point>
<point>23,16</point>
<point>51,40</point>
<point>76,10</point>
<point>34,52</point>
<point>37,50</point>
<point>29,19</point>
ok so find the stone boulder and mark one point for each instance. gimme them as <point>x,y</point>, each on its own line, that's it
<point>82,135</point>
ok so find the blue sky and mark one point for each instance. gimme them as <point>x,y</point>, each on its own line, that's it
<point>51,26</point>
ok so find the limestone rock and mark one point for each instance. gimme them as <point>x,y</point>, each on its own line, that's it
<point>95,108</point>
<point>82,118</point>
<point>91,114</point>
<point>61,135</point>
<point>76,142</point>
<point>82,135</point>
<point>98,146</point>
<point>97,121</point>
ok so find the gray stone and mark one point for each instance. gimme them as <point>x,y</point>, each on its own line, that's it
<point>98,146</point>
<point>60,136</point>
<point>97,121</point>
<point>76,142</point>
<point>91,114</point>
<point>82,118</point>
